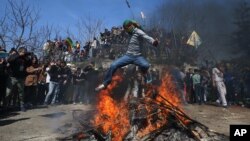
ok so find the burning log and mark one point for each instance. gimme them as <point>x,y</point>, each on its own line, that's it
<point>153,118</point>
<point>183,120</point>
<point>174,129</point>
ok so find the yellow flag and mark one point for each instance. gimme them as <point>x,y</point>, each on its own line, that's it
<point>194,40</point>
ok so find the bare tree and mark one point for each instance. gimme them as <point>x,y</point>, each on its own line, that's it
<point>4,28</point>
<point>46,32</point>
<point>57,32</point>
<point>40,37</point>
<point>88,28</point>
<point>69,33</point>
<point>21,21</point>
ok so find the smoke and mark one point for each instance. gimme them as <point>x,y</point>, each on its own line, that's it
<point>213,20</point>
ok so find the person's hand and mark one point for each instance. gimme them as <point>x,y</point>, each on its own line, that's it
<point>64,82</point>
<point>156,42</point>
<point>39,69</point>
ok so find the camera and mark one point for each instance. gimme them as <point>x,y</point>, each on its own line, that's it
<point>3,55</point>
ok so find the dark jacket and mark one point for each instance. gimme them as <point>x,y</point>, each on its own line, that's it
<point>18,65</point>
<point>66,74</point>
<point>78,79</point>
<point>3,67</point>
<point>55,73</point>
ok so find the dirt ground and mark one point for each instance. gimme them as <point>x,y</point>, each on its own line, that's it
<point>44,124</point>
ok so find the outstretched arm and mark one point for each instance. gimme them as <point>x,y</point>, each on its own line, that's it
<point>149,39</point>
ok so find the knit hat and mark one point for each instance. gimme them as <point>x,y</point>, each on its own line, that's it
<point>133,22</point>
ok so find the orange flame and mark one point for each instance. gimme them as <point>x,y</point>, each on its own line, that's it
<point>111,115</point>
<point>167,91</point>
<point>114,116</point>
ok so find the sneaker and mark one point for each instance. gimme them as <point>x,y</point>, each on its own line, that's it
<point>217,101</point>
<point>100,87</point>
<point>225,106</point>
<point>74,103</point>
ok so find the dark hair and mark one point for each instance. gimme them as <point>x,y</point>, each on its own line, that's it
<point>34,57</point>
<point>22,49</point>
<point>196,70</point>
<point>12,50</point>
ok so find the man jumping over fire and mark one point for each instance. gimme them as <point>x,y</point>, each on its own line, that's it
<point>133,54</point>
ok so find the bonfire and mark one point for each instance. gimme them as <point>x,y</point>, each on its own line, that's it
<point>158,116</point>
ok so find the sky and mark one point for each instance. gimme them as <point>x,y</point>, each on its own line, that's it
<point>65,13</point>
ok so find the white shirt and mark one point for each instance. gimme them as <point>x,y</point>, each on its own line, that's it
<point>47,75</point>
<point>217,74</point>
<point>183,75</point>
<point>94,44</point>
<point>46,46</point>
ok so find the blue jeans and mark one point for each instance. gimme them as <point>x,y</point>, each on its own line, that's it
<point>123,61</point>
<point>53,91</point>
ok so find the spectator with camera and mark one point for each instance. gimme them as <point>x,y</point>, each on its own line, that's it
<point>18,61</point>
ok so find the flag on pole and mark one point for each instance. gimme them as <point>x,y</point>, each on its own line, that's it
<point>69,44</point>
<point>142,15</point>
<point>128,4</point>
<point>194,40</point>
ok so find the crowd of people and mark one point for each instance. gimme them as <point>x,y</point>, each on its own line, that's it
<point>69,50</point>
<point>222,83</point>
<point>27,81</point>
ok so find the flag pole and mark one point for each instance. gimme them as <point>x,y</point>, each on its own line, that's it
<point>130,9</point>
<point>132,13</point>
